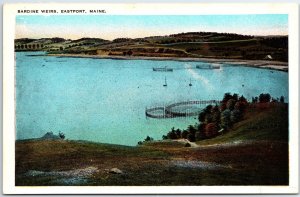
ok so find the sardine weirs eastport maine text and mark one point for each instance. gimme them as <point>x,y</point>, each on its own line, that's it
<point>60,11</point>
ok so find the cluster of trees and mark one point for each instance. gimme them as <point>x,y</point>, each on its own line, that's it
<point>225,36</point>
<point>50,135</point>
<point>147,139</point>
<point>31,46</point>
<point>199,37</point>
<point>89,40</point>
<point>78,45</point>
<point>147,52</point>
<point>74,45</point>
<point>257,52</point>
<point>265,98</point>
<point>121,40</point>
<point>213,119</point>
<point>276,42</point>
<point>57,40</point>
<point>190,133</point>
<point>170,41</point>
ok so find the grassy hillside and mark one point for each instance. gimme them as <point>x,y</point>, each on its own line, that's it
<point>191,44</point>
<point>254,152</point>
<point>262,122</point>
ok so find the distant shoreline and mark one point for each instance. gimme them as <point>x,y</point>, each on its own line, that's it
<point>265,64</point>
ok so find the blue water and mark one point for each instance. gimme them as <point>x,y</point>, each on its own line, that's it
<point>104,100</point>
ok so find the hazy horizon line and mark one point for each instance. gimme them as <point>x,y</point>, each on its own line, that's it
<point>149,36</point>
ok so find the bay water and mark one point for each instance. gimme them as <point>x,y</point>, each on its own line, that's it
<point>104,100</point>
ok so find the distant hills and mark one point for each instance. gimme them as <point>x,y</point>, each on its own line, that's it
<point>190,44</point>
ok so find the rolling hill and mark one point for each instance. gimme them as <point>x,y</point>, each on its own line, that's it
<point>191,44</point>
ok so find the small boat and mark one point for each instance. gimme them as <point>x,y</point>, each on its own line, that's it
<point>165,85</point>
<point>164,69</point>
<point>210,66</point>
<point>190,82</point>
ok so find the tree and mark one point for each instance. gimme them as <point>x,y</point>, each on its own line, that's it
<point>274,100</point>
<point>191,133</point>
<point>225,119</point>
<point>191,129</point>
<point>172,135</point>
<point>241,106</point>
<point>282,99</point>
<point>226,97</point>
<point>216,115</point>
<point>222,106</point>
<point>235,97</point>
<point>201,116</point>
<point>208,118</point>
<point>230,104</point>
<point>254,99</point>
<point>198,136</point>
<point>243,99</point>
<point>264,98</point>
<point>200,133</point>
<point>215,109</point>
<point>211,130</point>
<point>191,137</point>
<point>208,109</point>
<point>148,139</point>
<point>235,116</point>
<point>178,133</point>
<point>184,134</point>
<point>61,135</point>
<point>201,127</point>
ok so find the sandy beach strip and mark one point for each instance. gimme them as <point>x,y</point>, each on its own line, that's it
<point>266,64</point>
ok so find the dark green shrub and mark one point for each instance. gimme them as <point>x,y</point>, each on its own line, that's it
<point>225,119</point>
<point>61,135</point>
<point>235,116</point>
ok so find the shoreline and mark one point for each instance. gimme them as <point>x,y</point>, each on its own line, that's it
<point>264,64</point>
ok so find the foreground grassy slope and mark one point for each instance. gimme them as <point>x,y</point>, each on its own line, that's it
<point>259,158</point>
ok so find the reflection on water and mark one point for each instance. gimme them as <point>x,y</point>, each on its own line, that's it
<point>104,100</point>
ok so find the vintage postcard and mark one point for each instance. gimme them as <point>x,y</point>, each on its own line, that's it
<point>150,98</point>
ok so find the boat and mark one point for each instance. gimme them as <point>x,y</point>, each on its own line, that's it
<point>190,82</point>
<point>210,66</point>
<point>163,69</point>
<point>165,85</point>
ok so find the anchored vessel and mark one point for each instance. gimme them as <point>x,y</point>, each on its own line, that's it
<point>210,66</point>
<point>163,69</point>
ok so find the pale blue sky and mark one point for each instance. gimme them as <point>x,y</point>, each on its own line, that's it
<point>133,26</point>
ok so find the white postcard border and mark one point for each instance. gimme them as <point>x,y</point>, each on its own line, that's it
<point>9,13</point>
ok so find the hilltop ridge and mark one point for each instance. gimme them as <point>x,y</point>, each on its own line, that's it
<point>181,45</point>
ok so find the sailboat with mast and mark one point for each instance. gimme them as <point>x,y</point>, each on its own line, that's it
<point>165,85</point>
<point>190,82</point>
